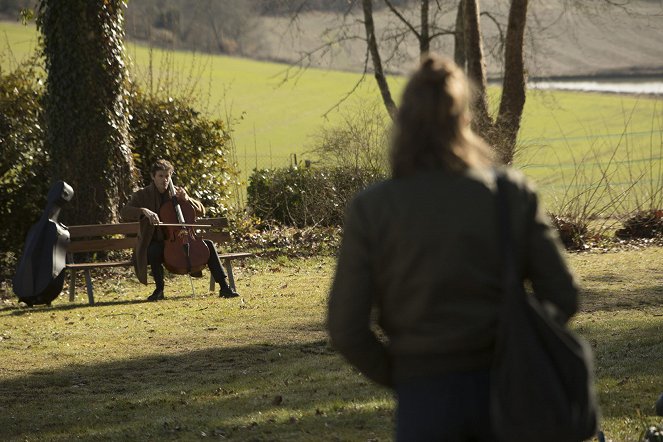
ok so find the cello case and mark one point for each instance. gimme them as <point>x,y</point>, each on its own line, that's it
<point>40,273</point>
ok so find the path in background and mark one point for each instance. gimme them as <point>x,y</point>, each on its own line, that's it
<point>648,86</point>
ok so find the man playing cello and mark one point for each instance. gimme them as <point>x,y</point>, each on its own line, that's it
<point>144,205</point>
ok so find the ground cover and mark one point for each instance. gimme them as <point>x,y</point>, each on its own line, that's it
<point>260,368</point>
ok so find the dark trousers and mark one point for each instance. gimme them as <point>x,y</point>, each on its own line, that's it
<point>155,260</point>
<point>450,408</point>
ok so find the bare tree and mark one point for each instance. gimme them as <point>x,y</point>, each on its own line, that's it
<point>501,131</point>
<point>514,85</point>
<point>372,43</point>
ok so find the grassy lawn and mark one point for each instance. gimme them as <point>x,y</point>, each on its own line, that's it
<point>617,136</point>
<point>259,367</point>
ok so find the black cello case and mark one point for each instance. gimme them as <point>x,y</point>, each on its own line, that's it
<point>40,273</point>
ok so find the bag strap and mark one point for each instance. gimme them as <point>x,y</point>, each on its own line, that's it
<point>505,235</point>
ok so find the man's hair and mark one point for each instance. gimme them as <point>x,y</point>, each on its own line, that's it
<point>161,164</point>
<point>432,127</point>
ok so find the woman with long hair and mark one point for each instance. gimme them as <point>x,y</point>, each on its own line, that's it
<point>420,253</point>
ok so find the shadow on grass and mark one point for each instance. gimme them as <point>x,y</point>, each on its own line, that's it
<point>628,363</point>
<point>19,310</point>
<point>257,392</point>
<point>593,300</point>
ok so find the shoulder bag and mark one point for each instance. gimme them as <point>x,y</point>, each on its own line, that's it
<point>542,385</point>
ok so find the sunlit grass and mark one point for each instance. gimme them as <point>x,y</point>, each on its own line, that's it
<point>260,368</point>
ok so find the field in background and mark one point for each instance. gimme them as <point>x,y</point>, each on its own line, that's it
<point>568,140</point>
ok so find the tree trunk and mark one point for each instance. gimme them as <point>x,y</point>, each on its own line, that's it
<point>459,37</point>
<point>514,84</point>
<point>424,39</point>
<point>502,133</point>
<point>219,40</point>
<point>476,69</point>
<point>86,105</point>
<point>375,57</point>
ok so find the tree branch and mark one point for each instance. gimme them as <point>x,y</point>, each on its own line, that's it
<point>375,56</point>
<point>497,24</point>
<point>402,18</point>
<point>441,33</point>
<point>354,88</point>
<point>305,59</point>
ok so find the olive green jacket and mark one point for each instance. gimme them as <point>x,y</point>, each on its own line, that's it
<point>421,255</point>
<point>148,198</point>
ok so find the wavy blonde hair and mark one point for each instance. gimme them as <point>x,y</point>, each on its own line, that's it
<point>432,127</point>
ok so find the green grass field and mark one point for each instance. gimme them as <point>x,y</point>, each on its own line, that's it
<point>259,368</point>
<point>569,141</point>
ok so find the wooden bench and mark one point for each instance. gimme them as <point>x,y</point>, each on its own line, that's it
<point>123,236</point>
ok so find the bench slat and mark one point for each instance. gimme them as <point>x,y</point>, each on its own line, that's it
<point>103,229</point>
<point>218,237</point>
<point>129,228</point>
<point>219,223</point>
<point>94,265</point>
<point>235,255</point>
<point>94,245</point>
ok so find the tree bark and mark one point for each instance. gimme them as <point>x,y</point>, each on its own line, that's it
<point>459,37</point>
<point>476,68</point>
<point>219,41</point>
<point>514,83</point>
<point>424,39</point>
<point>503,132</point>
<point>86,105</point>
<point>375,57</point>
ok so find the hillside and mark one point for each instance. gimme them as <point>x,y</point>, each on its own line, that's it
<point>274,123</point>
<point>564,39</point>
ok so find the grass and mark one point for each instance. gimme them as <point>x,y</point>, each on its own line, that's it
<point>274,122</point>
<point>259,367</point>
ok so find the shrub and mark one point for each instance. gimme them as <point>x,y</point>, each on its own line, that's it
<point>165,127</point>
<point>268,238</point>
<point>359,141</point>
<point>302,197</point>
<point>642,224</point>
<point>23,159</point>
<point>572,231</point>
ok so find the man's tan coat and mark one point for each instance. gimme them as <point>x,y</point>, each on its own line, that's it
<point>148,198</point>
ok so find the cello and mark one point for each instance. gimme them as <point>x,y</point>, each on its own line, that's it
<point>184,252</point>
<point>40,272</point>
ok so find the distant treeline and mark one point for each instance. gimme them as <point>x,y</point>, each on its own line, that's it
<point>214,26</point>
<point>218,26</point>
<point>278,7</point>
